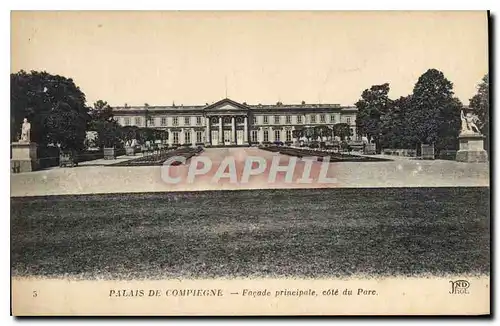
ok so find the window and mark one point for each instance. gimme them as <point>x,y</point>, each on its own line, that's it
<point>151,121</point>
<point>322,118</point>
<point>277,134</point>
<point>288,119</point>
<point>138,121</point>
<point>199,136</point>
<point>332,118</point>
<point>266,121</point>
<point>288,135</point>
<point>313,118</point>
<point>253,136</point>
<point>126,121</point>
<point>254,120</point>
<point>299,119</point>
<point>175,121</point>
<point>176,137</point>
<point>163,121</point>
<point>266,135</point>
<point>198,121</point>
<point>348,120</point>
<point>186,121</point>
<point>277,119</point>
<point>187,137</point>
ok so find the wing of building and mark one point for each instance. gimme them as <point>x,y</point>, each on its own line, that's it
<point>229,123</point>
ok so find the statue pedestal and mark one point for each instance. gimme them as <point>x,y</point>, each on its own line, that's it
<point>24,157</point>
<point>471,148</point>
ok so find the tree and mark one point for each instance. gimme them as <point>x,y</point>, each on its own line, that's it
<point>322,131</point>
<point>101,111</point>
<point>435,114</point>
<point>129,133</point>
<point>109,132</point>
<point>374,103</point>
<point>395,126</point>
<point>309,133</point>
<point>341,130</point>
<point>53,104</point>
<point>480,105</point>
<point>298,133</point>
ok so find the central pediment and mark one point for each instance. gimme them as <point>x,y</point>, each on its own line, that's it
<point>226,105</point>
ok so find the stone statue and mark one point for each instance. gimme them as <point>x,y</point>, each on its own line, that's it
<point>469,123</point>
<point>25,131</point>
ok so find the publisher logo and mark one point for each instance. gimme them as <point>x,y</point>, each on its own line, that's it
<point>459,287</point>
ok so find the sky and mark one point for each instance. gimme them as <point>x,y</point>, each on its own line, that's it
<point>193,58</point>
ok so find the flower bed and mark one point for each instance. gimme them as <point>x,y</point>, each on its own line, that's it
<point>334,157</point>
<point>158,157</point>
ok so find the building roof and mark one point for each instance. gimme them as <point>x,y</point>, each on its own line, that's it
<point>226,101</point>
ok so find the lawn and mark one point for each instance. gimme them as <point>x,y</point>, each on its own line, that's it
<point>275,233</point>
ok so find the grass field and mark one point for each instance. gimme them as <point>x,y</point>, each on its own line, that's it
<point>303,233</point>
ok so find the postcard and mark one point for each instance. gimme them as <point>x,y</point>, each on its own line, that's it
<point>240,163</point>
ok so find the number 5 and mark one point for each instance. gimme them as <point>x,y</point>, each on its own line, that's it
<point>35,294</point>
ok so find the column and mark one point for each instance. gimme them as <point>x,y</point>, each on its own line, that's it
<point>233,131</point>
<point>207,132</point>
<point>221,136</point>
<point>245,131</point>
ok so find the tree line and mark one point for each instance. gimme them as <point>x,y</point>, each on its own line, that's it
<point>430,115</point>
<point>59,115</point>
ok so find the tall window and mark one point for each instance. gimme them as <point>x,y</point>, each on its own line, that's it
<point>288,119</point>
<point>138,121</point>
<point>186,121</point>
<point>254,120</point>
<point>253,136</point>
<point>322,118</point>
<point>266,121</point>
<point>288,135</point>
<point>126,121</point>
<point>348,120</point>
<point>198,121</point>
<point>176,137</point>
<point>151,121</point>
<point>277,119</point>
<point>175,121</point>
<point>332,118</point>
<point>199,137</point>
<point>277,134</point>
<point>187,137</point>
<point>313,118</point>
<point>299,119</point>
<point>266,135</point>
<point>163,121</point>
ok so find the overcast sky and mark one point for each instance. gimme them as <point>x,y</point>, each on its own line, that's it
<point>262,57</point>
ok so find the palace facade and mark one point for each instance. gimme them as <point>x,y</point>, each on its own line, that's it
<point>229,123</point>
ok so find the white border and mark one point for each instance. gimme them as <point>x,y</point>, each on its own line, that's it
<point>188,5</point>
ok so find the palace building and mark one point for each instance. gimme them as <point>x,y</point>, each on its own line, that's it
<point>229,123</point>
